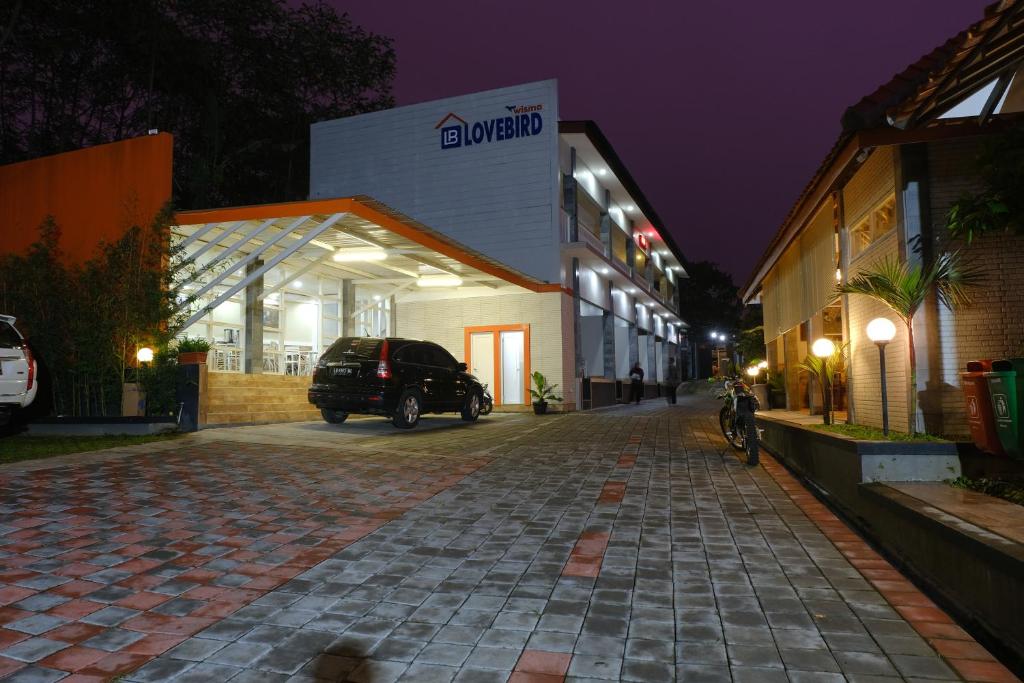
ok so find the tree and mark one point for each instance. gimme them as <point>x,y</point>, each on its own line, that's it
<point>237,83</point>
<point>903,288</point>
<point>708,299</point>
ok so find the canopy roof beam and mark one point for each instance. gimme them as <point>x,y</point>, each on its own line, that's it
<point>259,272</point>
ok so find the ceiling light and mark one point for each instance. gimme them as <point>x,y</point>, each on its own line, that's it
<point>438,281</point>
<point>604,271</point>
<point>376,297</point>
<point>632,290</point>
<point>602,171</point>
<point>630,207</point>
<point>350,255</point>
<point>297,284</point>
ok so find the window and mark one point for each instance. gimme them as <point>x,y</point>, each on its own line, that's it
<point>9,337</point>
<point>878,222</point>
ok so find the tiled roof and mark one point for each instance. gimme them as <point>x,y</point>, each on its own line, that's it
<point>918,94</point>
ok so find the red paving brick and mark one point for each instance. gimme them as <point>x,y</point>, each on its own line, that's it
<point>970,659</point>
<point>190,515</point>
<point>543,662</point>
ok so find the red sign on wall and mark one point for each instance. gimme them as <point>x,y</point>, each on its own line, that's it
<point>642,241</point>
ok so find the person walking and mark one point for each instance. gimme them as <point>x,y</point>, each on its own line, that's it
<point>672,379</point>
<point>637,377</point>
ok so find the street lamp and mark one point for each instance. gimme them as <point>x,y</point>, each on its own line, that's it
<point>753,371</point>
<point>144,355</point>
<point>881,331</point>
<point>823,348</point>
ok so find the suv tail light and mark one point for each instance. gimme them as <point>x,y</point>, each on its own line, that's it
<point>383,366</point>
<point>31,368</point>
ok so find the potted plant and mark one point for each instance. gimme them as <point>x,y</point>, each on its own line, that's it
<point>192,351</point>
<point>543,393</point>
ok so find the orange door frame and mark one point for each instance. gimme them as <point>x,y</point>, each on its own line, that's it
<point>497,330</point>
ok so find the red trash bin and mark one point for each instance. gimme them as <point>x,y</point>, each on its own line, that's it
<point>979,407</point>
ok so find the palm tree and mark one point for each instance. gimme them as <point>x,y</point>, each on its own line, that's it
<point>903,288</point>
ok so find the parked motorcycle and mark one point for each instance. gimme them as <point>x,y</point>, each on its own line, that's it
<point>488,403</point>
<point>737,419</point>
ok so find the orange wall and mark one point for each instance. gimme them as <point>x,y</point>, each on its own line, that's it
<point>94,194</point>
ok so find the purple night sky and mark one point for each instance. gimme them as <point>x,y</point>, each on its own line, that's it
<point>721,114</point>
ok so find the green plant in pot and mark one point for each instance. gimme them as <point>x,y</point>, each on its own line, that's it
<point>192,350</point>
<point>543,393</point>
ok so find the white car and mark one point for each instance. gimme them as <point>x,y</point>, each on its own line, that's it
<point>19,371</point>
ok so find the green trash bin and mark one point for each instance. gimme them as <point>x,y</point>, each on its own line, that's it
<point>1005,384</point>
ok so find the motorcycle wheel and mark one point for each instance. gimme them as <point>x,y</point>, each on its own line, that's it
<point>752,445</point>
<point>732,434</point>
<point>486,407</point>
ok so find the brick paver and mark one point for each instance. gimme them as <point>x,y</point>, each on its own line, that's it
<point>620,545</point>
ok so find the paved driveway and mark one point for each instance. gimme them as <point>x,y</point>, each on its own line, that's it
<point>623,544</point>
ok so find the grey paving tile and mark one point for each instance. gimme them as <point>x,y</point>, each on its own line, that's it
<point>33,649</point>
<point>595,666</point>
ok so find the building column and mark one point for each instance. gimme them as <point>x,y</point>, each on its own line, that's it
<point>606,226</point>
<point>634,341</point>
<point>918,246</point>
<point>393,317</point>
<point>577,328</point>
<point>252,363</point>
<point>652,358</point>
<point>348,307</point>
<point>569,198</point>
<point>609,336</point>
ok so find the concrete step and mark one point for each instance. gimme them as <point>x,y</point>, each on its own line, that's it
<point>262,393</point>
<point>261,417</point>
<point>263,383</point>
<point>259,406</point>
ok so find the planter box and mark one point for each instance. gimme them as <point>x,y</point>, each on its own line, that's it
<point>192,358</point>
<point>101,426</point>
<point>838,465</point>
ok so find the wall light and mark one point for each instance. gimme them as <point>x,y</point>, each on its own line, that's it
<point>438,281</point>
<point>352,255</point>
<point>823,348</point>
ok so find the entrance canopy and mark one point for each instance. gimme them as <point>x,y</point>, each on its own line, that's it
<point>275,284</point>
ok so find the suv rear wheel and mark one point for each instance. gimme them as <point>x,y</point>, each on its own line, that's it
<point>471,410</point>
<point>334,417</point>
<point>407,415</point>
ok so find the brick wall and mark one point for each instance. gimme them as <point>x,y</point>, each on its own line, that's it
<point>993,327</point>
<point>864,374</point>
<point>445,321</point>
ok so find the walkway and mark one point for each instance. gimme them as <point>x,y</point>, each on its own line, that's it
<point>626,544</point>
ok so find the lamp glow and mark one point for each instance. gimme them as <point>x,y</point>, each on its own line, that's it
<point>881,330</point>
<point>438,281</point>
<point>753,371</point>
<point>823,348</point>
<point>354,255</point>
<point>763,364</point>
<point>144,355</point>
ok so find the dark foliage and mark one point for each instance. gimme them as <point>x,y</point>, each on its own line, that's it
<point>999,206</point>
<point>237,83</point>
<point>87,321</point>
<point>709,300</point>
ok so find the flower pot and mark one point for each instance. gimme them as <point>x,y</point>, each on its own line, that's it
<point>540,408</point>
<point>192,358</point>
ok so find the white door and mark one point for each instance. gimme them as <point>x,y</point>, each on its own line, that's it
<point>512,361</point>
<point>481,355</point>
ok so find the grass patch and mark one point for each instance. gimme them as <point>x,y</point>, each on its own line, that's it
<point>862,433</point>
<point>21,447</point>
<point>1011,490</point>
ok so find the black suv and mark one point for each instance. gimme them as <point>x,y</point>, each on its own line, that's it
<point>397,378</point>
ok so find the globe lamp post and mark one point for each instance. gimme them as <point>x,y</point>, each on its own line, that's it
<point>823,348</point>
<point>881,331</point>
